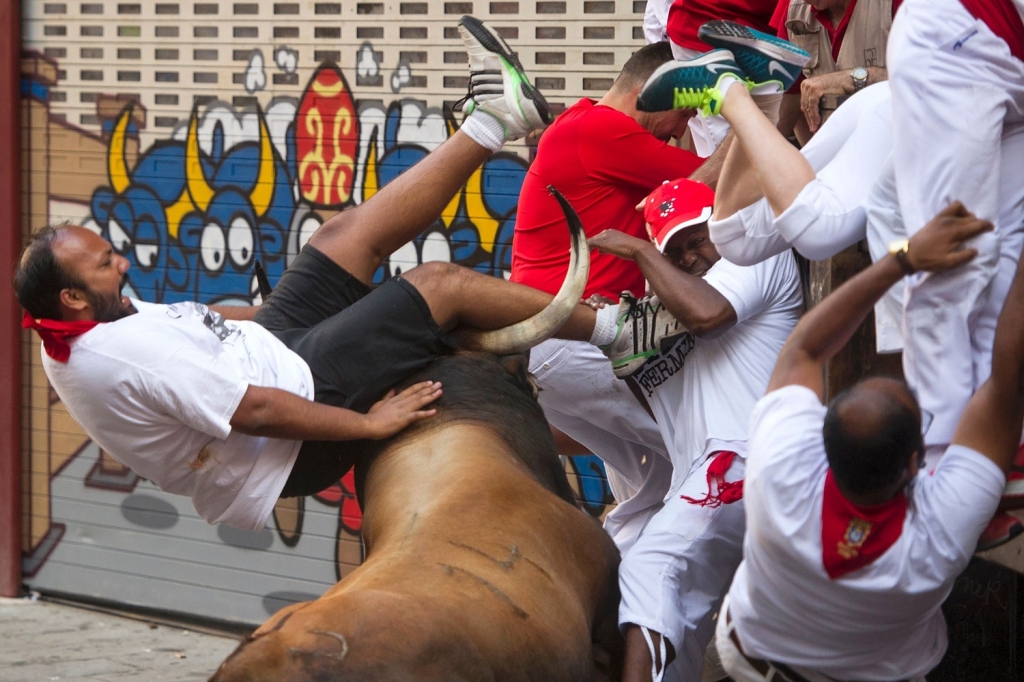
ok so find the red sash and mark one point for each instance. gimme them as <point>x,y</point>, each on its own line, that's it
<point>1003,19</point>
<point>853,536</point>
<point>55,334</point>
<point>720,491</point>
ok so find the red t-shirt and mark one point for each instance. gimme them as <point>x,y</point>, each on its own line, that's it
<point>686,16</point>
<point>604,163</point>
<point>836,32</point>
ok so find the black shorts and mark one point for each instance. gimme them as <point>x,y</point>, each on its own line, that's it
<point>358,343</point>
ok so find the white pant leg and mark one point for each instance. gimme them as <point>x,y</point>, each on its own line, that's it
<point>732,658</point>
<point>956,92</point>
<point>846,155</point>
<point>656,20</point>
<point>828,214</point>
<point>1011,239</point>
<point>582,398</point>
<point>674,577</point>
<point>885,225</point>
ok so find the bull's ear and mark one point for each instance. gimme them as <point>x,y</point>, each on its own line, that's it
<point>518,367</point>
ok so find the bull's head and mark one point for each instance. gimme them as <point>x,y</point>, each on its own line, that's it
<point>528,333</point>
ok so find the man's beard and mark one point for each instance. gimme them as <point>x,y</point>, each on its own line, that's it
<point>109,308</point>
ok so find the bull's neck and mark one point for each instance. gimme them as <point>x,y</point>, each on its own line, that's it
<point>437,476</point>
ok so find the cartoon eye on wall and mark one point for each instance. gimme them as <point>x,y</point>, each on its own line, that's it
<point>147,242</point>
<point>212,246</point>
<point>241,242</point>
<point>309,225</point>
<point>436,247</point>
<point>119,238</point>
<point>146,254</point>
<point>403,259</point>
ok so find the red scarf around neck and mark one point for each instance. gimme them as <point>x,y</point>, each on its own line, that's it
<point>853,536</point>
<point>55,334</point>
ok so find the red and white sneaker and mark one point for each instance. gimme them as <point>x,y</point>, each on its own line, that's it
<point>1013,494</point>
<point>1000,530</point>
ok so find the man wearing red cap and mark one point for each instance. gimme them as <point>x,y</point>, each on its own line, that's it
<point>702,391</point>
<point>604,156</point>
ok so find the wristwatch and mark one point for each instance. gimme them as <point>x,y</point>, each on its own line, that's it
<point>900,249</point>
<point>860,78</point>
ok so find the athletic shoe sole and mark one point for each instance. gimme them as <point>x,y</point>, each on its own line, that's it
<point>726,34</point>
<point>1000,530</point>
<point>494,43</point>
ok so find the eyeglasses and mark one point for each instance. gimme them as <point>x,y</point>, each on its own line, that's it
<point>926,420</point>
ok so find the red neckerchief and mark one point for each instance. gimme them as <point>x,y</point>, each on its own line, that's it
<point>720,491</point>
<point>835,33</point>
<point>55,334</point>
<point>853,536</point>
<point>1003,19</point>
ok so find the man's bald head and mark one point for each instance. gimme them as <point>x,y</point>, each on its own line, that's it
<point>872,432</point>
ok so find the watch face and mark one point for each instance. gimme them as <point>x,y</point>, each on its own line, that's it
<point>860,73</point>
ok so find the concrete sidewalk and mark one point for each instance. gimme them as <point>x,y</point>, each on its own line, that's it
<point>42,641</point>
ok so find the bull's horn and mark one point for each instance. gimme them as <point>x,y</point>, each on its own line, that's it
<point>528,333</point>
<point>117,163</point>
<point>198,188</point>
<point>263,190</point>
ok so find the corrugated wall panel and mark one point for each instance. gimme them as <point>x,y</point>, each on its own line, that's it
<point>90,525</point>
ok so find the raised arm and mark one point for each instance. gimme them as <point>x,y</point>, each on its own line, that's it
<point>829,326</point>
<point>991,422</point>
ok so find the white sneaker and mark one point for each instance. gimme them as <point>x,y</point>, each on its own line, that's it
<point>498,86</point>
<point>644,327</point>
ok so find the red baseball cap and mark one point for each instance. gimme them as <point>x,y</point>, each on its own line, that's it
<point>674,206</point>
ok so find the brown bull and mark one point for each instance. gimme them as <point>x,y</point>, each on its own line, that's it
<point>479,565</point>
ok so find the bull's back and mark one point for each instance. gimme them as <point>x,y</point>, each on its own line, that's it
<point>473,572</point>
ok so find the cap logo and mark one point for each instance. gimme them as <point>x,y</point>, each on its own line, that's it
<point>667,206</point>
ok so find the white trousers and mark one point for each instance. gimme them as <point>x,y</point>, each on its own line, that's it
<point>674,577</point>
<point>852,197</point>
<point>847,155</point>
<point>582,397</point>
<point>958,107</point>
<point>739,669</point>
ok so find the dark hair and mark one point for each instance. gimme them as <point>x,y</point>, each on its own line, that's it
<point>40,276</point>
<point>872,454</point>
<point>645,61</point>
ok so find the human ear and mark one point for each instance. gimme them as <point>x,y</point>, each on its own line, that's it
<point>73,299</point>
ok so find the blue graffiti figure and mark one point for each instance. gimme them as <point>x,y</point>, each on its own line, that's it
<point>192,224</point>
<point>494,194</point>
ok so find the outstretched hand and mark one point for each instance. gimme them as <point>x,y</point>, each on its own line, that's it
<point>392,413</point>
<point>938,245</point>
<point>617,243</point>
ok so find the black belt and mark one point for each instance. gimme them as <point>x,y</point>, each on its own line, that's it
<point>765,667</point>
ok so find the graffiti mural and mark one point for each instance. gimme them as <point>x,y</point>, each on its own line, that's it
<point>192,211</point>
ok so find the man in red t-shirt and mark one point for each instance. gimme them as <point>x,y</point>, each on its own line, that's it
<point>605,157</point>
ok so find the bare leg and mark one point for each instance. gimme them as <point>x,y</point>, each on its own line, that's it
<point>780,168</point>
<point>738,186</point>
<point>360,238</point>
<point>638,664</point>
<point>459,296</point>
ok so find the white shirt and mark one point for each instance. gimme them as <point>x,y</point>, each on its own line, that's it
<point>879,622</point>
<point>157,390</point>
<point>724,376</point>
